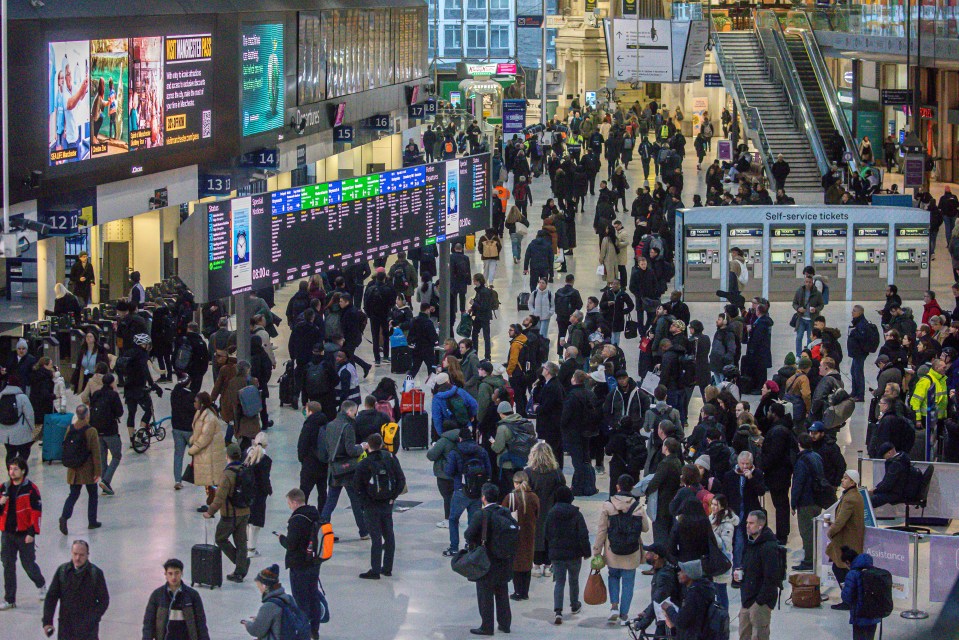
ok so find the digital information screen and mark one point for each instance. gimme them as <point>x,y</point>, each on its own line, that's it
<point>262,76</point>
<point>112,96</point>
<point>272,238</point>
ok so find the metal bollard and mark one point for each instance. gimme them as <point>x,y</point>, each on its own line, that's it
<point>915,613</point>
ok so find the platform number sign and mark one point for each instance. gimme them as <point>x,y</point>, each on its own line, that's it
<point>216,185</point>
<point>379,122</point>
<point>62,222</point>
<point>262,159</point>
<point>416,111</point>
<point>343,134</point>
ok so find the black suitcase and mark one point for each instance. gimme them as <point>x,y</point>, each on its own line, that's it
<point>415,431</point>
<point>401,359</point>
<point>287,384</point>
<point>522,301</point>
<point>206,564</point>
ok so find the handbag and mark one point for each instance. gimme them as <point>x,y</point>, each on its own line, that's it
<point>632,329</point>
<point>715,562</point>
<point>646,344</point>
<point>473,563</point>
<point>595,591</point>
<point>601,270</point>
<point>189,474</point>
<point>344,467</point>
<point>794,320</point>
<point>465,326</point>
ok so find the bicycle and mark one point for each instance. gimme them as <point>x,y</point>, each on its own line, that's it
<point>143,435</point>
<point>642,634</point>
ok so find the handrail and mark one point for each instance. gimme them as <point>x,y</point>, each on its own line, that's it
<point>754,121</point>
<point>762,25</point>
<point>826,86</point>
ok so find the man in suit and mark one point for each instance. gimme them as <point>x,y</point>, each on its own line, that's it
<point>494,586</point>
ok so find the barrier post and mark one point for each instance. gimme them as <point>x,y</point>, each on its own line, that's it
<point>915,613</point>
<point>817,554</point>
<point>859,463</point>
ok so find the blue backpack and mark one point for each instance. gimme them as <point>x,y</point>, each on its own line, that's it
<point>294,625</point>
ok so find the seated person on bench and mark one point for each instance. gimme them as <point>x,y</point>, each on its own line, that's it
<point>900,482</point>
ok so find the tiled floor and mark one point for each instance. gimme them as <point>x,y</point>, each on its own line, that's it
<point>147,522</point>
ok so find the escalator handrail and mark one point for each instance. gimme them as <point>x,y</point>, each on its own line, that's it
<point>739,95</point>
<point>793,87</point>
<point>830,96</point>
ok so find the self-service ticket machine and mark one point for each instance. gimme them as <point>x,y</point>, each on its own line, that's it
<point>870,260</point>
<point>829,257</point>
<point>703,262</point>
<point>787,257</point>
<point>912,257</point>
<point>750,240</point>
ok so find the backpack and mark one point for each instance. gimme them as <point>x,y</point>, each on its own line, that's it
<point>624,531</point>
<point>824,289</point>
<point>459,412</point>
<point>9,410</point>
<point>381,486</point>
<point>316,382</point>
<point>75,449</point>
<point>493,299</point>
<point>875,596</point>
<point>398,278</point>
<point>448,147</point>
<point>562,302</point>
<point>636,453</point>
<point>474,477</point>
<point>872,338</point>
<point>627,143</point>
<point>244,487</point>
<point>100,415</point>
<point>743,275</point>
<point>658,419</point>
<point>184,354</point>
<point>521,443</point>
<point>319,549</point>
<point>389,431</point>
<point>797,402</point>
<point>122,366</point>
<point>716,624</point>
<point>706,497</point>
<point>385,407</point>
<point>251,402</point>
<point>294,625</point>
<point>505,532</point>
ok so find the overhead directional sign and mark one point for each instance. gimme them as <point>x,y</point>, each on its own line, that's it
<point>642,50</point>
<point>896,97</point>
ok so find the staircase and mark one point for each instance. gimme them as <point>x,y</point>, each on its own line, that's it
<point>740,51</point>
<point>828,133</point>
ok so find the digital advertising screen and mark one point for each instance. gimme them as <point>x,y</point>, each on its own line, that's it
<point>116,95</point>
<point>276,237</point>
<point>262,76</point>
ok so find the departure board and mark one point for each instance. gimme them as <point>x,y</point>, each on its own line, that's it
<point>286,235</point>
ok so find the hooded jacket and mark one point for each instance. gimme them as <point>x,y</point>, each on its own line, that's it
<point>567,537</point>
<point>504,434</point>
<point>807,474</point>
<point>852,593</point>
<point>440,409</point>
<point>539,255</point>
<point>22,432</point>
<point>439,452</point>
<point>723,349</point>
<point>456,461</point>
<point>615,505</point>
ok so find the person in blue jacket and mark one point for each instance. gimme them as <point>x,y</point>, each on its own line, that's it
<point>852,594</point>
<point>457,466</point>
<point>442,392</point>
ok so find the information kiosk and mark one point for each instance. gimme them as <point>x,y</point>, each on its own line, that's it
<point>829,257</point>
<point>870,260</point>
<point>703,262</point>
<point>750,240</point>
<point>912,257</point>
<point>787,257</point>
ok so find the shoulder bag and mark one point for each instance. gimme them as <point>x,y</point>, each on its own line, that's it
<point>473,563</point>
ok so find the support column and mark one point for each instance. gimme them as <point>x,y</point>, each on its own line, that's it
<point>446,326</point>
<point>242,305</point>
<point>856,82</point>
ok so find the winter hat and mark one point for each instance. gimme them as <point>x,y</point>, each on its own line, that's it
<point>772,386</point>
<point>703,461</point>
<point>504,407</point>
<point>804,362</point>
<point>442,378</point>
<point>693,569</point>
<point>22,344</point>
<point>853,475</point>
<point>790,360</point>
<point>269,577</point>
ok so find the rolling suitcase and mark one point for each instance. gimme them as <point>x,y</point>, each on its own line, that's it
<point>206,563</point>
<point>55,427</point>
<point>287,384</point>
<point>401,359</point>
<point>415,431</point>
<point>522,301</point>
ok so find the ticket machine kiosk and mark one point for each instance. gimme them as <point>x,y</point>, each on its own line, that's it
<point>703,262</point>
<point>750,240</point>
<point>787,257</point>
<point>829,257</point>
<point>912,257</point>
<point>870,261</point>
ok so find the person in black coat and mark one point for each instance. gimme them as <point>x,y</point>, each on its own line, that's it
<point>299,303</point>
<point>891,428</point>
<point>616,306</point>
<point>352,322</point>
<point>313,470</point>
<point>460,277</point>
<point>304,572</point>
<point>567,545</point>
<point>744,485</point>
<point>538,259</point>
<point>82,278</point>
<point>422,339</point>
<point>779,451</point>
<point>81,591</point>
<point>66,304</point>
<point>549,417</point>
<point>261,368</point>
<point>689,539</point>
<point>182,412</point>
<point>579,419</point>
<point>494,586</point>
<point>897,484</point>
<point>759,356</point>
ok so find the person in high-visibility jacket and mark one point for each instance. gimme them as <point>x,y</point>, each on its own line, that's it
<point>934,381</point>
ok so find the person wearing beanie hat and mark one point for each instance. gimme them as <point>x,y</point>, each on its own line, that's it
<point>515,436</point>
<point>663,585</point>
<point>491,384</point>
<point>20,363</point>
<point>233,518</point>
<point>790,359</point>
<point>274,599</point>
<point>690,618</point>
<point>451,402</point>
<point>847,528</point>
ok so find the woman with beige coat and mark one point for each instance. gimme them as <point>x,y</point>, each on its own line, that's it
<point>207,446</point>
<point>622,568</point>
<point>609,254</point>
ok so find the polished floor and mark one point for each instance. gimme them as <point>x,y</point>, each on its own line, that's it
<point>148,522</point>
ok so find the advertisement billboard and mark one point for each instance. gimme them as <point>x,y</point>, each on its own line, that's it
<point>115,95</point>
<point>262,97</point>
